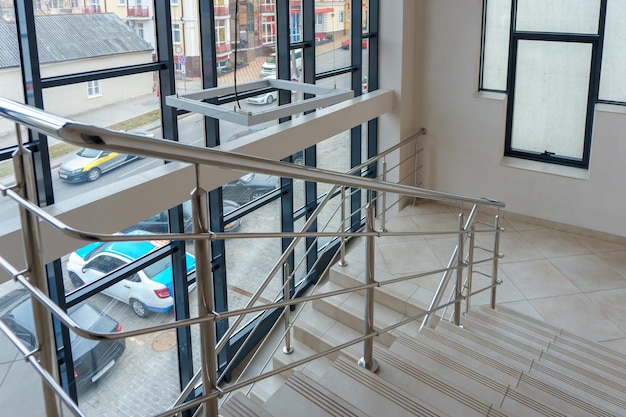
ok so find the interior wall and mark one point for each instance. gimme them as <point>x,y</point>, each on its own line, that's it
<point>465,144</point>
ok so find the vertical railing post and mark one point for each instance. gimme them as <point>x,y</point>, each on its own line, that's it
<point>384,195</point>
<point>496,257</point>
<point>415,166</point>
<point>206,301</point>
<point>368,361</point>
<point>288,349</point>
<point>342,259</point>
<point>470,267</point>
<point>459,274</point>
<point>25,179</point>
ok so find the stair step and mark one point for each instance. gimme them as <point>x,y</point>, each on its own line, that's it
<point>301,396</point>
<point>238,405</point>
<point>454,391</point>
<point>350,311</point>
<point>374,394</point>
<point>314,369</point>
<point>397,296</point>
<point>564,338</point>
<point>266,388</point>
<point>477,380</point>
<point>319,332</point>
<point>572,388</point>
<point>567,361</point>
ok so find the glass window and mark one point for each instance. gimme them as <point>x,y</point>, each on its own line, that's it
<point>175,33</point>
<point>495,53</point>
<point>75,4</point>
<point>612,80</point>
<point>564,16</point>
<point>93,88</point>
<point>550,98</point>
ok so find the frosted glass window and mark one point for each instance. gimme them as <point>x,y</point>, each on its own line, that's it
<point>564,16</point>
<point>612,80</point>
<point>496,44</point>
<point>550,98</point>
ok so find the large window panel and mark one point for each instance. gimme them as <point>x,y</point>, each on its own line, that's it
<point>565,16</point>
<point>140,299</point>
<point>76,171</point>
<point>550,98</point>
<point>612,80</point>
<point>496,30</point>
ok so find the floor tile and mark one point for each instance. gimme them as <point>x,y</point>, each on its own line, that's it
<point>551,243</point>
<point>589,273</point>
<point>513,246</point>
<point>599,246</point>
<point>406,259</point>
<point>579,315</point>
<point>611,303</point>
<point>617,260</point>
<point>522,307</point>
<point>538,279</point>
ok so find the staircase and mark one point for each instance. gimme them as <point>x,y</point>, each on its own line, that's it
<point>498,363</point>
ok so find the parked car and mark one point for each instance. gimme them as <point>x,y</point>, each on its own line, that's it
<point>269,66</point>
<point>346,44</point>
<point>92,358</point>
<point>149,290</point>
<point>159,222</point>
<point>250,187</point>
<point>89,164</point>
<point>266,98</point>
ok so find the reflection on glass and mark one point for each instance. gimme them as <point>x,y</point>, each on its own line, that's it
<point>250,187</point>
<point>248,261</point>
<point>332,36</point>
<point>127,104</point>
<point>118,43</point>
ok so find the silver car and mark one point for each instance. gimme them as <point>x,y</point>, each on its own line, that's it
<point>89,164</point>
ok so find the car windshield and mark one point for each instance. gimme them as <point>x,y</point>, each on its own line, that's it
<point>156,268</point>
<point>88,153</point>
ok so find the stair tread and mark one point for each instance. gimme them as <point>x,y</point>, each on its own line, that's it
<point>301,395</point>
<point>599,351</point>
<point>238,405</point>
<point>376,395</point>
<point>566,359</point>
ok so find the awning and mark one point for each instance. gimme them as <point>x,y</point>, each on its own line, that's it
<point>324,10</point>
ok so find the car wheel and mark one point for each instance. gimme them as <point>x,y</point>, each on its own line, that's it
<point>139,308</point>
<point>93,174</point>
<point>270,99</point>
<point>76,281</point>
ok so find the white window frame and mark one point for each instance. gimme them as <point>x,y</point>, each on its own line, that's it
<point>94,89</point>
<point>176,33</point>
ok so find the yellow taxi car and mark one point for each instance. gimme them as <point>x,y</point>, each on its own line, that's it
<point>89,164</point>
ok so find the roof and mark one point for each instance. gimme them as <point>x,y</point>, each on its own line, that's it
<point>73,36</point>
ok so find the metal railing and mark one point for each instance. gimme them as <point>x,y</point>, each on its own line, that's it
<point>33,277</point>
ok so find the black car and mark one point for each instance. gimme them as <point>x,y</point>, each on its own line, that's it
<point>249,187</point>
<point>159,222</point>
<point>92,358</point>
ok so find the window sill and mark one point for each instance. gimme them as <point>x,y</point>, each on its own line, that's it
<point>491,95</point>
<point>545,168</point>
<point>611,108</point>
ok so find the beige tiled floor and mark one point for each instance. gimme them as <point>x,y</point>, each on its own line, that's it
<point>566,279</point>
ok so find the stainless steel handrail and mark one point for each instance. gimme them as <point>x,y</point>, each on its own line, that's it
<point>99,138</point>
<point>88,136</point>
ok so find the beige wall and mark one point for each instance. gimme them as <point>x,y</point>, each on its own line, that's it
<point>466,133</point>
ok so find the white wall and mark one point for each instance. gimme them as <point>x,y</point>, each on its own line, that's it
<point>466,134</point>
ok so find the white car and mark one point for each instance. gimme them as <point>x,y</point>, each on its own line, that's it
<point>148,290</point>
<point>267,98</point>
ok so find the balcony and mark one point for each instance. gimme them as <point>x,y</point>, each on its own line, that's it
<point>138,11</point>
<point>268,8</point>
<point>92,10</point>
<point>222,11</point>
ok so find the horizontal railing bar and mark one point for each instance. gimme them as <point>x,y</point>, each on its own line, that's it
<point>104,139</point>
<point>48,379</point>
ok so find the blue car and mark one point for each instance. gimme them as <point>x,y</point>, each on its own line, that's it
<point>148,290</point>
